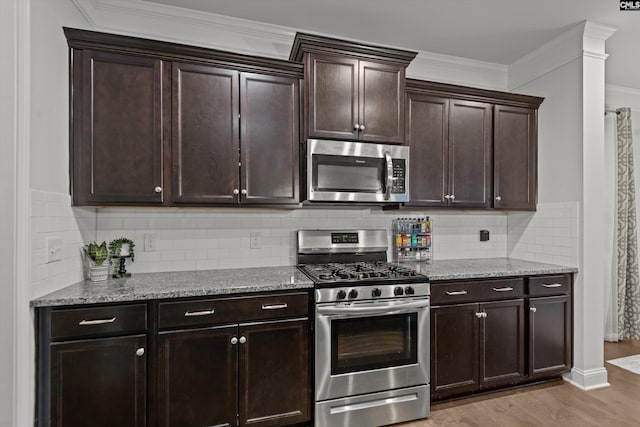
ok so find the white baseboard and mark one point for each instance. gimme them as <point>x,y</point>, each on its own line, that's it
<point>591,379</point>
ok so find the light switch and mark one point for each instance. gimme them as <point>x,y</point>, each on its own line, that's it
<point>54,249</point>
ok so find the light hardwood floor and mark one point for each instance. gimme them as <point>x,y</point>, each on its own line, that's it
<point>552,404</point>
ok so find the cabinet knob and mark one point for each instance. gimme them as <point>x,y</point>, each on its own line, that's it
<point>158,189</point>
<point>242,339</point>
<point>234,341</point>
<point>446,196</point>
<point>361,127</point>
<point>235,191</point>
<point>244,191</point>
<point>533,309</point>
<point>479,315</point>
<point>140,352</point>
<point>356,126</point>
<point>498,198</point>
<point>452,197</point>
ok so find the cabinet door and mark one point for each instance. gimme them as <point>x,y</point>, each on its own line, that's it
<point>514,168</point>
<point>454,349</point>
<point>332,97</point>
<point>270,139</point>
<point>381,102</point>
<point>99,382</point>
<point>274,374</point>
<point>470,154</point>
<point>197,377</point>
<point>502,343</point>
<point>549,336</point>
<point>117,136</point>
<point>427,133</point>
<point>205,139</point>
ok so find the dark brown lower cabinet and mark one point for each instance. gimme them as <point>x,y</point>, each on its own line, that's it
<point>476,346</point>
<point>99,382</point>
<point>549,335</point>
<point>238,375</point>
<point>197,381</point>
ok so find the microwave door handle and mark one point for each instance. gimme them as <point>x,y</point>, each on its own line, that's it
<point>388,175</point>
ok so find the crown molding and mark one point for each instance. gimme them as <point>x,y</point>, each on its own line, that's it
<point>459,71</point>
<point>583,40</point>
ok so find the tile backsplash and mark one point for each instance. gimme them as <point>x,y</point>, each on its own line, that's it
<point>200,239</point>
<point>548,235</point>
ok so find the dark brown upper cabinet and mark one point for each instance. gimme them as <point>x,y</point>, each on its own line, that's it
<point>450,142</point>
<point>352,91</point>
<point>156,123</point>
<point>235,137</point>
<point>515,157</point>
<point>117,128</point>
<point>471,148</point>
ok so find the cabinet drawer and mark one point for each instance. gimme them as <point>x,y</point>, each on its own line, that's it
<point>479,290</point>
<point>213,311</point>
<point>96,321</point>
<point>549,285</point>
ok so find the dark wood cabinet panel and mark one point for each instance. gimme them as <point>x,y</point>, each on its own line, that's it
<point>205,134</point>
<point>550,335</point>
<point>270,139</point>
<point>454,349</point>
<point>197,381</point>
<point>117,128</point>
<point>381,102</point>
<point>98,382</point>
<point>331,97</point>
<point>502,343</point>
<point>470,164</point>
<point>275,380</point>
<point>515,158</point>
<point>427,134</point>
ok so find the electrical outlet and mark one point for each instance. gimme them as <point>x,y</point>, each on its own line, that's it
<point>150,242</point>
<point>54,249</point>
<point>256,240</point>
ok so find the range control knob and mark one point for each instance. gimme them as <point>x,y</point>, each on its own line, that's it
<point>376,292</point>
<point>353,293</point>
<point>341,294</point>
<point>409,290</point>
<point>398,291</point>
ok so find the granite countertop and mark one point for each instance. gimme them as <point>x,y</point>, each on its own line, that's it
<point>149,286</point>
<point>486,267</point>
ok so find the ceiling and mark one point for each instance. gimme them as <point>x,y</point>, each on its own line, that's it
<point>497,31</point>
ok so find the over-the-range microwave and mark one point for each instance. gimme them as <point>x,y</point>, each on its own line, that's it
<point>344,171</point>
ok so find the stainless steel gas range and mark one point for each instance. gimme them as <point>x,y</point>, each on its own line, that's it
<point>372,330</point>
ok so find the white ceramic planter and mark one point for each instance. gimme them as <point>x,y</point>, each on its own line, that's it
<point>99,273</point>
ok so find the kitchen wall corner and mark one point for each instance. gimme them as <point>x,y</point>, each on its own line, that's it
<point>53,216</point>
<point>548,235</point>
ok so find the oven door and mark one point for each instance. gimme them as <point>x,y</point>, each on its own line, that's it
<point>371,346</point>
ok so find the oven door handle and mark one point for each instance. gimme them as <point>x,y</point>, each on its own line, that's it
<point>388,162</point>
<point>383,308</point>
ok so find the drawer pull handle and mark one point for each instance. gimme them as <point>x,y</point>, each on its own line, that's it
<point>552,285</point>
<point>456,292</point>
<point>96,322</point>
<point>505,289</point>
<point>199,313</point>
<point>274,306</point>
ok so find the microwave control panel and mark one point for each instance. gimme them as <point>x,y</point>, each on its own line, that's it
<point>399,169</point>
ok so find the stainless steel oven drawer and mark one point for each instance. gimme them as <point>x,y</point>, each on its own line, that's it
<point>374,409</point>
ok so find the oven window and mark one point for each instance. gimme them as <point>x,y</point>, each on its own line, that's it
<point>347,174</point>
<point>363,343</point>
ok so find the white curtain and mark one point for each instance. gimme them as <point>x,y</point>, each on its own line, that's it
<point>628,283</point>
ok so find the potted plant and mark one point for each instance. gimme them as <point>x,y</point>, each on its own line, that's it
<point>97,254</point>
<point>121,248</point>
